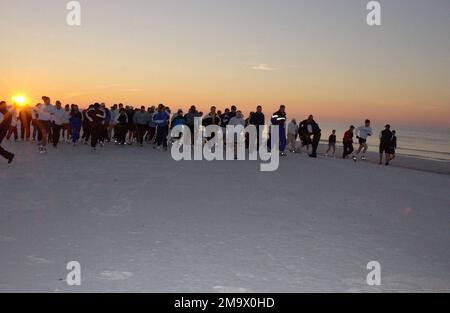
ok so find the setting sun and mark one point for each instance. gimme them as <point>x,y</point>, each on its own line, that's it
<point>19,99</point>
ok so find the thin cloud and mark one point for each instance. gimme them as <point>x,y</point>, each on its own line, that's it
<point>134,89</point>
<point>107,86</point>
<point>263,67</point>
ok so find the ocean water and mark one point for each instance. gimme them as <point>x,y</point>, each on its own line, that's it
<point>427,143</point>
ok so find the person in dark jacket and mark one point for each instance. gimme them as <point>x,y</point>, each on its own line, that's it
<point>25,118</point>
<point>348,142</point>
<point>311,130</point>
<point>386,144</point>
<point>190,122</point>
<point>86,125</point>
<point>5,123</point>
<point>211,119</point>
<point>258,120</point>
<point>331,144</point>
<point>279,119</point>
<point>121,127</point>
<point>393,144</point>
<point>161,119</point>
<point>75,122</point>
<point>96,117</point>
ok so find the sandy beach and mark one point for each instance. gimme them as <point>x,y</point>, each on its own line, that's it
<point>138,221</point>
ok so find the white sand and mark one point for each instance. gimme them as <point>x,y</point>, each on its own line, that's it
<point>138,221</point>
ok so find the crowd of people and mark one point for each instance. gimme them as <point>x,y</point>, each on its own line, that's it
<point>96,125</point>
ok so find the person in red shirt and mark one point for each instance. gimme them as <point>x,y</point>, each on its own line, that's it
<point>348,142</point>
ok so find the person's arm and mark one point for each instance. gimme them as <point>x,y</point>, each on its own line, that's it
<point>1,117</point>
<point>88,116</point>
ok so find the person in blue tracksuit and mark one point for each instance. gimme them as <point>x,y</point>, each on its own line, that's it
<point>279,119</point>
<point>76,121</point>
<point>161,119</point>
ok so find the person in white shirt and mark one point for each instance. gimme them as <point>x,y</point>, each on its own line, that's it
<point>44,123</point>
<point>13,127</point>
<point>113,122</point>
<point>66,125</point>
<point>58,119</point>
<point>292,135</point>
<point>239,123</point>
<point>363,133</point>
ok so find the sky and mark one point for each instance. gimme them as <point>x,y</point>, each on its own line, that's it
<point>315,56</point>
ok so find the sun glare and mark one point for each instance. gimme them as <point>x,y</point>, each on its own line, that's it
<point>20,100</point>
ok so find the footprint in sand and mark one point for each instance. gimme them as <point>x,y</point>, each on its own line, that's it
<point>7,239</point>
<point>35,260</point>
<point>115,275</point>
<point>122,208</point>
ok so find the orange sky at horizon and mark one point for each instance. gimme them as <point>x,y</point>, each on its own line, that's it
<point>294,53</point>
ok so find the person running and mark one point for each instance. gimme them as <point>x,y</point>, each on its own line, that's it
<point>112,125</point>
<point>348,142</point>
<point>13,127</point>
<point>161,119</point>
<point>386,144</point>
<point>236,121</point>
<point>393,145</point>
<point>212,119</point>
<point>131,127</point>
<point>86,125</point>
<point>121,128</point>
<point>34,122</point>
<point>177,120</point>
<point>331,145</point>
<point>362,133</point>
<point>76,121</point>
<point>292,135</point>
<point>66,124</point>
<point>96,117</point>
<point>151,126</point>
<point>105,135</point>
<point>25,117</point>
<point>258,120</point>
<point>58,119</point>
<point>141,120</point>
<point>311,130</point>
<point>279,119</point>
<point>5,123</point>
<point>44,123</point>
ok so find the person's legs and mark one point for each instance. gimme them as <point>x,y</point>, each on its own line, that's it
<point>44,131</point>
<point>345,150</point>
<point>4,153</point>
<point>140,133</point>
<point>95,134</point>
<point>22,130</point>
<point>164,135</point>
<point>56,134</point>
<point>121,134</point>
<point>27,130</point>
<point>315,144</point>
<point>75,130</point>
<point>282,139</point>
